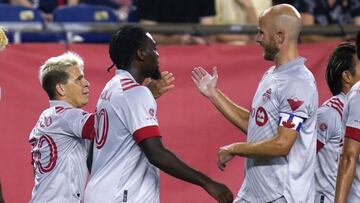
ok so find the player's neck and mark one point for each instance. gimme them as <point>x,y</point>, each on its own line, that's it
<point>285,56</point>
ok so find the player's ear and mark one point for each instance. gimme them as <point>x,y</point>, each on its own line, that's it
<point>59,89</point>
<point>140,53</point>
<point>346,76</point>
<point>280,37</point>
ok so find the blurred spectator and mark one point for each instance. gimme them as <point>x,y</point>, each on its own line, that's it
<point>3,39</point>
<point>240,12</point>
<point>175,11</point>
<point>291,2</point>
<point>46,6</point>
<point>121,7</point>
<point>327,12</point>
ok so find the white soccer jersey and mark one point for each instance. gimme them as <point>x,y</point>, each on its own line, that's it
<point>352,130</point>
<point>59,153</point>
<point>126,115</point>
<point>286,96</point>
<point>330,142</point>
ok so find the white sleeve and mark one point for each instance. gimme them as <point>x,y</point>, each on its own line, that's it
<point>139,111</point>
<point>353,120</point>
<point>328,123</point>
<point>296,98</point>
<point>78,122</point>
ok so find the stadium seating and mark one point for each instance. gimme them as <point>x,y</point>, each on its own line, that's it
<point>28,19</point>
<point>83,14</point>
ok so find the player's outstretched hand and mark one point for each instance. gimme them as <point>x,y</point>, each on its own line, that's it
<point>161,86</point>
<point>224,155</point>
<point>205,82</point>
<point>219,192</point>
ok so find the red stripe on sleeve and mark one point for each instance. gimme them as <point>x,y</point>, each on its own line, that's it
<point>319,146</point>
<point>353,133</point>
<point>88,131</point>
<point>146,132</point>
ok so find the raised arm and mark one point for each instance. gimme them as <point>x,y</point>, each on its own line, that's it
<point>167,161</point>
<point>207,86</point>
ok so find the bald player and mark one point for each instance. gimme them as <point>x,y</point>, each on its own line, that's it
<point>3,43</point>
<point>342,72</point>
<point>280,127</point>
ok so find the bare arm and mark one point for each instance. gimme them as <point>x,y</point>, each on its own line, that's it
<point>22,3</point>
<point>207,85</point>
<point>165,160</point>
<point>347,168</point>
<point>280,145</point>
<point>73,2</point>
<point>251,16</point>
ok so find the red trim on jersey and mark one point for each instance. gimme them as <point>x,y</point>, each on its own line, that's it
<point>337,109</point>
<point>146,132</point>
<point>125,79</point>
<point>131,86</point>
<point>339,102</point>
<point>60,109</point>
<point>127,83</point>
<point>353,133</point>
<point>319,146</point>
<point>88,131</point>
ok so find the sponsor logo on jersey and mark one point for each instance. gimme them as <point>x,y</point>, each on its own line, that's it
<point>261,117</point>
<point>295,103</point>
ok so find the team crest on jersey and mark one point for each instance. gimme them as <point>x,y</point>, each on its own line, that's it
<point>261,116</point>
<point>323,127</point>
<point>266,96</point>
<point>295,103</point>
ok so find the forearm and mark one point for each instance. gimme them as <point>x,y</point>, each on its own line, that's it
<point>235,114</point>
<point>172,165</point>
<point>346,172</point>
<point>263,149</point>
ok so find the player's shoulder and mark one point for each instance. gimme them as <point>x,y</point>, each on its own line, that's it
<point>332,108</point>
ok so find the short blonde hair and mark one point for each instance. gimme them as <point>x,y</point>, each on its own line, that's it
<point>3,39</point>
<point>54,71</point>
<point>61,63</point>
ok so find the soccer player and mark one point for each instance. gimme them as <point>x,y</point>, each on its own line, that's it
<point>62,134</point>
<point>342,73</point>
<point>3,43</point>
<point>61,137</point>
<point>280,127</point>
<point>348,177</point>
<point>128,149</point>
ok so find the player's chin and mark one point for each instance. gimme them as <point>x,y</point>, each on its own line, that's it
<point>85,101</point>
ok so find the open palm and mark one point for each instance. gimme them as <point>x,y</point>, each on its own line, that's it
<point>205,82</point>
